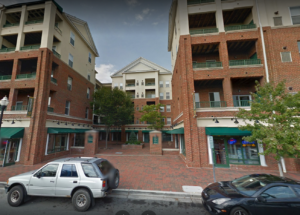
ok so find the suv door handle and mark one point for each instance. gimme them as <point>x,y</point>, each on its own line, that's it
<point>75,182</point>
<point>52,181</point>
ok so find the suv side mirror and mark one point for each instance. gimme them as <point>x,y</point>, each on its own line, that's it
<point>260,199</point>
<point>39,175</point>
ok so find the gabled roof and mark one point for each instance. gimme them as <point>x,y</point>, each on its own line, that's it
<point>141,65</point>
<point>83,30</point>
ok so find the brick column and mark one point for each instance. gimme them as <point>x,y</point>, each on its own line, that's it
<point>140,136</point>
<point>156,147</point>
<point>16,69</point>
<point>123,135</point>
<point>91,142</point>
<point>227,90</point>
<point>12,97</point>
<point>223,52</point>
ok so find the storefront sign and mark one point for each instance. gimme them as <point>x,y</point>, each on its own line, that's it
<point>211,141</point>
<point>30,106</point>
<point>155,140</point>
<point>90,139</point>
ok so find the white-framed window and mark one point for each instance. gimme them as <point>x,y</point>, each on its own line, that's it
<point>87,113</point>
<point>163,120</point>
<point>167,95</point>
<point>137,108</point>
<point>89,76</point>
<point>72,38</point>
<point>286,57</point>
<point>161,84</point>
<point>137,121</point>
<point>90,57</point>
<point>116,85</point>
<point>277,21</point>
<point>168,108</point>
<point>121,86</point>
<point>169,122</point>
<point>162,109</point>
<point>88,92</point>
<point>57,143</point>
<point>298,46</point>
<point>167,83</point>
<point>70,81</point>
<point>67,109</point>
<point>161,95</point>
<point>49,101</point>
<point>54,48</point>
<point>295,15</point>
<point>71,60</point>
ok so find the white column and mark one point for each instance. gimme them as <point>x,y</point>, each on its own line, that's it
<point>19,151</point>
<point>283,165</point>
<point>262,157</point>
<point>183,17</point>
<point>21,35</point>
<point>219,16</point>
<point>47,141</point>
<point>156,84</point>
<point>210,158</point>
<point>49,22</point>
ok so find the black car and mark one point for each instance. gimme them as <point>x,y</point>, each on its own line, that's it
<point>257,194</point>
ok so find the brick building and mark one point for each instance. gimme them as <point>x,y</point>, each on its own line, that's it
<point>47,71</point>
<point>219,49</point>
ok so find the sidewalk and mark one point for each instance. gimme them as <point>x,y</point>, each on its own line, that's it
<point>161,173</point>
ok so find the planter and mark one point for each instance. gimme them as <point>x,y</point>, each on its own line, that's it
<point>124,146</point>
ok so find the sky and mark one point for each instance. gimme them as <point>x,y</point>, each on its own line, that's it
<point>123,30</point>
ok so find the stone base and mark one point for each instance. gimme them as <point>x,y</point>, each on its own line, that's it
<point>125,146</point>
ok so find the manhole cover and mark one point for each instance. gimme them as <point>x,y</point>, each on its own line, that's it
<point>119,153</point>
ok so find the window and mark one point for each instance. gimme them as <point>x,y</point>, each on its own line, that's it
<point>67,109</point>
<point>167,95</point>
<point>79,140</point>
<point>90,57</point>
<point>295,13</point>
<point>286,57</point>
<point>137,121</point>
<point>70,80</point>
<point>167,84</point>
<point>137,107</point>
<point>277,21</point>
<point>299,46</point>
<point>278,192</point>
<point>48,171</point>
<point>87,113</point>
<point>162,109</point>
<point>89,170</point>
<point>297,190</point>
<point>89,76</point>
<point>88,93</point>
<point>54,48</point>
<point>71,60</point>
<point>169,122</point>
<point>168,108</point>
<point>121,86</point>
<point>72,38</point>
<point>161,84</point>
<point>116,85</point>
<point>161,95</point>
<point>68,170</point>
<point>163,120</point>
<point>57,143</point>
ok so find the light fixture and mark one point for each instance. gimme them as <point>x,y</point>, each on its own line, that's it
<point>256,121</point>
<point>73,124</point>
<point>66,123</point>
<point>58,123</point>
<point>216,120</point>
<point>78,124</point>
<point>235,120</point>
<point>13,122</point>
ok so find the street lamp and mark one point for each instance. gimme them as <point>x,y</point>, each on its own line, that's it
<point>3,103</point>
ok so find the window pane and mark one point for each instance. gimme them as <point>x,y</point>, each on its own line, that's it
<point>299,46</point>
<point>66,170</point>
<point>168,108</point>
<point>295,11</point>
<point>162,109</point>
<point>49,171</point>
<point>279,192</point>
<point>297,189</point>
<point>79,140</point>
<point>286,56</point>
<point>88,170</point>
<point>161,84</point>
<point>51,144</point>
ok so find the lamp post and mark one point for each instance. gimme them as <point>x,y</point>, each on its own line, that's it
<point>3,103</point>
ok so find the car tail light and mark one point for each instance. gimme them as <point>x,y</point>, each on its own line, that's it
<point>103,183</point>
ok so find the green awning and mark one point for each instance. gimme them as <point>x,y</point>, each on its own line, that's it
<point>226,131</point>
<point>176,131</point>
<point>9,133</point>
<point>129,131</point>
<point>114,131</point>
<point>147,131</point>
<point>66,130</point>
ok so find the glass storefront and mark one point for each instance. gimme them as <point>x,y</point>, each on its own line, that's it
<point>57,143</point>
<point>79,140</point>
<point>9,151</point>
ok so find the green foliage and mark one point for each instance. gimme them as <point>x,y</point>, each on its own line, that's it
<point>133,139</point>
<point>152,114</point>
<point>274,120</point>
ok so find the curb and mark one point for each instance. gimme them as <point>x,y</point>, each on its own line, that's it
<point>154,192</point>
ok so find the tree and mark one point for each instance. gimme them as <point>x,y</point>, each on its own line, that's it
<point>274,121</point>
<point>152,114</point>
<point>114,106</point>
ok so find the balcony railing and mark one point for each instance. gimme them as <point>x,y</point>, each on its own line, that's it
<point>244,62</point>
<point>50,109</point>
<point>242,103</point>
<point>199,1</point>
<point>53,80</point>
<point>132,96</point>
<point>130,85</point>
<point>207,65</point>
<point>150,84</point>
<point>240,27</point>
<point>8,49</point>
<point>57,28</point>
<point>209,104</point>
<point>204,31</point>
<point>150,96</point>
<point>26,76</point>
<point>11,25</point>
<point>30,47</point>
<point>56,54</point>
<point>34,21</point>
<point>19,108</point>
<point>5,77</point>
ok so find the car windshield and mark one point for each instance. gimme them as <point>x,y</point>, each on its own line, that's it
<point>250,184</point>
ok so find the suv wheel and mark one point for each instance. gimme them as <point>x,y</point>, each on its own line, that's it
<point>81,200</point>
<point>114,179</point>
<point>15,196</point>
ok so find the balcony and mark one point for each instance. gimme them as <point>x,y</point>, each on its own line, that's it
<point>50,109</point>
<point>34,21</point>
<point>57,29</point>
<point>5,77</point>
<point>204,31</point>
<point>53,80</point>
<point>10,25</point>
<point>150,84</point>
<point>8,49</point>
<point>26,76</point>
<point>242,103</point>
<point>211,104</point>
<point>130,85</point>
<point>247,62</point>
<point>56,54</point>
<point>240,27</point>
<point>191,2</point>
<point>132,96</point>
<point>207,65</point>
<point>30,47</point>
<point>19,108</point>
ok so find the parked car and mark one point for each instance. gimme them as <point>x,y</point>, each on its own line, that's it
<point>257,194</point>
<point>82,179</point>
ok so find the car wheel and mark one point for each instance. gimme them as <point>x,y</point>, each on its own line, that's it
<point>81,200</point>
<point>15,196</point>
<point>114,179</point>
<point>238,211</point>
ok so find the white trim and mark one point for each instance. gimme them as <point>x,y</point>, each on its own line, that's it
<point>290,57</point>
<point>209,150</point>
<point>181,114</point>
<point>180,149</point>
<point>221,109</point>
<point>68,141</point>
<point>283,164</point>
<point>171,150</point>
<point>47,141</point>
<point>20,148</point>
<point>143,137</point>
<point>68,116</point>
<point>172,137</point>
<point>262,157</point>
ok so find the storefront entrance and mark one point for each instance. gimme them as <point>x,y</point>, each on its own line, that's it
<point>9,151</point>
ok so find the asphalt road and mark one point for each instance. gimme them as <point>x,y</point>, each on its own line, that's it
<point>106,206</point>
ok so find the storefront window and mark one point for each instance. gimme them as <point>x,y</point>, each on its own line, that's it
<point>166,137</point>
<point>2,150</point>
<point>57,143</point>
<point>79,140</point>
<point>12,151</point>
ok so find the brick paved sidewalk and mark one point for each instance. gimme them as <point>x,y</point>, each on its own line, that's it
<point>165,173</point>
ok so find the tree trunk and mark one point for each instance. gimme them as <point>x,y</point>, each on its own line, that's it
<point>280,167</point>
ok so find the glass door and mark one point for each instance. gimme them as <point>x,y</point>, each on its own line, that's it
<point>12,152</point>
<point>220,152</point>
<point>242,101</point>
<point>146,137</point>
<point>214,99</point>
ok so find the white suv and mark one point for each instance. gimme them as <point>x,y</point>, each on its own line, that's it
<point>82,179</point>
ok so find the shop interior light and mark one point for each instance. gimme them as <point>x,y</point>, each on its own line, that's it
<point>216,120</point>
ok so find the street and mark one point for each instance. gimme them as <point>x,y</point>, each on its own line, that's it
<point>108,206</point>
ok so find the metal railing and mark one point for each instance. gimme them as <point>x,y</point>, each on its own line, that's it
<point>150,96</point>
<point>50,109</point>
<point>244,62</point>
<point>34,21</point>
<point>240,27</point>
<point>199,1</point>
<point>150,84</point>
<point>209,104</point>
<point>53,80</point>
<point>207,65</point>
<point>8,49</point>
<point>5,77</point>
<point>58,29</point>
<point>132,96</point>
<point>19,108</point>
<point>26,76</point>
<point>242,103</point>
<point>30,47</point>
<point>204,31</point>
<point>11,25</point>
<point>56,54</point>
<point>130,85</point>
